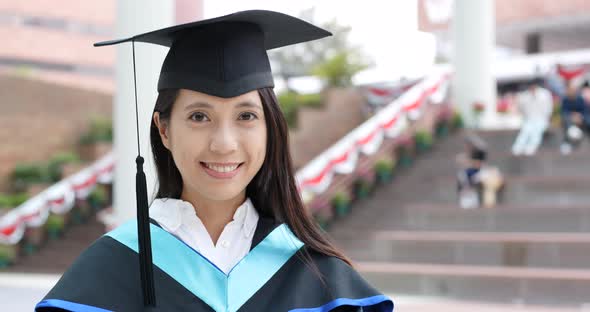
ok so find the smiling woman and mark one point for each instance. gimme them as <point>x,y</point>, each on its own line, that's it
<point>228,230</point>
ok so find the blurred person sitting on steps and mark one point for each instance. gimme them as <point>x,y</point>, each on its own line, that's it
<point>536,106</point>
<point>575,119</point>
<point>477,182</point>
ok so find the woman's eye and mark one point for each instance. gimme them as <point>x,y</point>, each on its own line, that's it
<point>199,117</point>
<point>248,116</point>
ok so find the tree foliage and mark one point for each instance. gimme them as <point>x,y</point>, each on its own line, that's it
<point>334,58</point>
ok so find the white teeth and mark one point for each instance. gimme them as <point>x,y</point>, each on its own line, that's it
<point>221,168</point>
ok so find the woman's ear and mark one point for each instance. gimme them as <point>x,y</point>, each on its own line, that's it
<point>162,129</point>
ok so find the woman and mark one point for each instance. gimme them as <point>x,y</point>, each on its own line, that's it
<point>228,230</point>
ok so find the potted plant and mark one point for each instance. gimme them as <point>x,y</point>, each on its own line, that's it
<point>9,201</point>
<point>98,140</point>
<point>341,204</point>
<point>33,239</point>
<point>56,224</point>
<point>478,107</point>
<point>423,140</point>
<point>364,183</point>
<point>442,128</point>
<point>384,170</point>
<point>82,211</point>
<point>457,121</point>
<point>57,162</point>
<point>26,174</point>
<point>98,199</point>
<point>8,254</point>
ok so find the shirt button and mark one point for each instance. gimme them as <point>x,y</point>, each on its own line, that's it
<point>224,244</point>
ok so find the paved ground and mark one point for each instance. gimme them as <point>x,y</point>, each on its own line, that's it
<point>20,292</point>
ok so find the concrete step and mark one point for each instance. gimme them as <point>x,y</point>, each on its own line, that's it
<point>530,190</point>
<point>500,284</point>
<point>436,217</point>
<point>544,250</point>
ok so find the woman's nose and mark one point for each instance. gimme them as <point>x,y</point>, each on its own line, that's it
<point>223,140</point>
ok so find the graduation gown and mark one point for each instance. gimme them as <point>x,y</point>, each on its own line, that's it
<point>273,277</point>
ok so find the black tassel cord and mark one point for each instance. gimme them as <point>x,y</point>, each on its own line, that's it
<point>143,222</point>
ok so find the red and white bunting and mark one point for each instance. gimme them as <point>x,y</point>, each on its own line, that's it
<point>346,163</point>
<point>34,212</point>
<point>83,182</point>
<point>570,72</point>
<point>370,143</point>
<point>105,169</point>
<point>12,228</point>
<point>440,94</point>
<point>59,199</point>
<point>342,157</point>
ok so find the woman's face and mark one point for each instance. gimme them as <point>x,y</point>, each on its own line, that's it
<point>218,144</point>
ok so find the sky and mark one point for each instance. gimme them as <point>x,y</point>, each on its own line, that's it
<point>387,31</point>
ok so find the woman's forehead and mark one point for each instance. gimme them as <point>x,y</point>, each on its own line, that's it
<point>199,99</point>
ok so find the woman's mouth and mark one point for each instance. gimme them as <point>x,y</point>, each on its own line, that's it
<point>221,170</point>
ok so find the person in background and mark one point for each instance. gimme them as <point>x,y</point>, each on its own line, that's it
<point>470,162</point>
<point>575,118</point>
<point>469,186</point>
<point>586,92</point>
<point>536,105</point>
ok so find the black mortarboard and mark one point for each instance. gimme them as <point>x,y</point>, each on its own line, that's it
<point>225,57</point>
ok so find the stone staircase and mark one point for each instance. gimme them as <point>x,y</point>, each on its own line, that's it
<point>411,238</point>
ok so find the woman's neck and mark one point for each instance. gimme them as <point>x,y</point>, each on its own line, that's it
<point>215,215</point>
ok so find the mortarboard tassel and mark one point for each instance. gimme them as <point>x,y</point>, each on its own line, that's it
<point>143,222</point>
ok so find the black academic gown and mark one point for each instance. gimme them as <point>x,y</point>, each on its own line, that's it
<point>274,276</point>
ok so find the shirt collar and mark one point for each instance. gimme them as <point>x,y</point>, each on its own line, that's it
<point>247,216</point>
<point>167,213</point>
<point>171,212</point>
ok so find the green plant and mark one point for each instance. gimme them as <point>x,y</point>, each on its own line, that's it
<point>341,203</point>
<point>8,255</point>
<point>404,154</point>
<point>362,187</point>
<point>339,69</point>
<point>289,106</point>
<point>8,201</point>
<point>25,174</point>
<point>442,129</point>
<point>423,140</point>
<point>55,225</point>
<point>457,120</point>
<point>290,102</point>
<point>384,169</point>
<point>101,130</point>
<point>97,198</point>
<point>55,164</point>
<point>310,99</point>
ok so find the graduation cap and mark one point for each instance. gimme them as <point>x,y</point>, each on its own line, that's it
<point>225,57</point>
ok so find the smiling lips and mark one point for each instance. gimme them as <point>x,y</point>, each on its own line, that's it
<point>221,170</point>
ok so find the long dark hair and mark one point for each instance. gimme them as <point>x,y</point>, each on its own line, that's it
<point>273,190</point>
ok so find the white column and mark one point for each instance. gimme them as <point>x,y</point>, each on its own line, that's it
<point>135,17</point>
<point>473,29</point>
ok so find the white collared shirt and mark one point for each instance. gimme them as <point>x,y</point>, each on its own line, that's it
<point>537,105</point>
<point>178,217</point>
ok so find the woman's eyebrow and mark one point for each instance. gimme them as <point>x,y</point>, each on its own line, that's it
<point>209,106</point>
